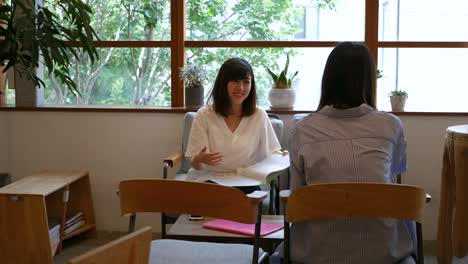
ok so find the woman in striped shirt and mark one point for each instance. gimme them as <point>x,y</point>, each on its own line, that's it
<point>348,140</point>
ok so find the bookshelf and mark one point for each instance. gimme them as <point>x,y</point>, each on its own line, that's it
<point>28,204</point>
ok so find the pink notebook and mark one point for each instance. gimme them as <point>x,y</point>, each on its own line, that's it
<point>239,228</point>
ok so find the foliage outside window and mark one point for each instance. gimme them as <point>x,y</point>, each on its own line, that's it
<point>135,51</point>
<point>140,76</point>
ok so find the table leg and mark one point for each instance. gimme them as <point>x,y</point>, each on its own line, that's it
<point>460,223</point>
<point>444,230</point>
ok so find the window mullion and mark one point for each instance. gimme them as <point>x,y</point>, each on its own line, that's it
<point>177,51</point>
<point>372,29</point>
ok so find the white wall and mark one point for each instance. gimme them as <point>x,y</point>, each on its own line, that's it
<point>117,146</point>
<point>111,146</point>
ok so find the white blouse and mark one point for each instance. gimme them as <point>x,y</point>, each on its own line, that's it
<point>253,141</point>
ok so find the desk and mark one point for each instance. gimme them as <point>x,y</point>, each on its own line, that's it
<point>183,228</point>
<point>452,233</point>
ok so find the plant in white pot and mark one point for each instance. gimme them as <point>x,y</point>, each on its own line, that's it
<point>398,100</point>
<point>397,97</point>
<point>281,94</point>
<point>193,76</point>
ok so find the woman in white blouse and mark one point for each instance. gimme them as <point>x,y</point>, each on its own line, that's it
<point>232,132</point>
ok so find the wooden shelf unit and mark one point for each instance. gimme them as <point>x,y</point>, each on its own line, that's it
<point>26,205</point>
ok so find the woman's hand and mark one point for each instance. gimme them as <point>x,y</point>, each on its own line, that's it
<point>208,158</point>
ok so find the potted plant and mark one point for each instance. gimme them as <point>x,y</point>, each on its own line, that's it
<point>31,34</point>
<point>397,97</point>
<point>193,77</point>
<point>281,94</point>
<point>398,100</point>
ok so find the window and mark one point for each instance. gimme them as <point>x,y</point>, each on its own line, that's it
<point>134,66</point>
<point>420,45</point>
<point>421,53</point>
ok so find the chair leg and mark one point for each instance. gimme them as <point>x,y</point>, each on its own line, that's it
<point>131,223</point>
<point>286,243</point>
<point>420,243</point>
<point>272,191</point>
<point>257,235</point>
<point>163,225</point>
<point>277,198</point>
<point>273,208</point>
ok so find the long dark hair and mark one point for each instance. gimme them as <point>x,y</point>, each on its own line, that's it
<point>233,69</point>
<point>349,78</point>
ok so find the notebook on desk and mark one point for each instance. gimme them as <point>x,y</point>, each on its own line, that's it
<point>275,163</point>
<point>253,175</point>
<point>240,228</point>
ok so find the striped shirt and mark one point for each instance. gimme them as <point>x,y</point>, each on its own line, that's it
<point>353,145</point>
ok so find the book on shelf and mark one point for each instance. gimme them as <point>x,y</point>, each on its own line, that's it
<point>54,232</point>
<point>54,244</point>
<point>75,226</point>
<point>74,218</point>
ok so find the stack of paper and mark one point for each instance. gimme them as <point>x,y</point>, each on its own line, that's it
<point>54,232</point>
<point>73,223</point>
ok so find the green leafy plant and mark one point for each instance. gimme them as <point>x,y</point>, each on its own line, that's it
<point>281,80</point>
<point>398,93</point>
<point>31,34</point>
<point>193,75</point>
<point>379,74</point>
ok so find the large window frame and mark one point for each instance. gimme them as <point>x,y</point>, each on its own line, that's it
<point>178,44</point>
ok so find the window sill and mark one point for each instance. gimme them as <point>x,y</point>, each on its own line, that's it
<point>154,109</point>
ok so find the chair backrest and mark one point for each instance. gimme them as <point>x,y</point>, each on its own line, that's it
<point>328,200</point>
<point>188,121</point>
<point>172,196</point>
<point>277,124</point>
<point>206,199</point>
<point>133,248</point>
<point>356,199</point>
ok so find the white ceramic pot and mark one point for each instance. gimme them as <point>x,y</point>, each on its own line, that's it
<point>398,103</point>
<point>282,98</point>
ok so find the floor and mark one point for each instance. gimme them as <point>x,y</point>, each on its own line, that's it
<point>77,246</point>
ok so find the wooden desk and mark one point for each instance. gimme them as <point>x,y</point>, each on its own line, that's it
<point>183,228</point>
<point>452,233</point>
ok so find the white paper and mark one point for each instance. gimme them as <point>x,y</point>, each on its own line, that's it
<point>253,175</point>
<point>276,163</point>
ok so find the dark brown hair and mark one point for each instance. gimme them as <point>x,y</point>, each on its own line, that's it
<point>233,69</point>
<point>349,78</point>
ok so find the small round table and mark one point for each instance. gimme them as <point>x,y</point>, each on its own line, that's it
<point>452,232</point>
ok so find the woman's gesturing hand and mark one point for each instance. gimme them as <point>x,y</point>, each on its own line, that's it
<point>209,158</point>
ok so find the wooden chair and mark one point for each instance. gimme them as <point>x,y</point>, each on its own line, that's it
<point>133,248</point>
<point>317,201</point>
<point>211,200</point>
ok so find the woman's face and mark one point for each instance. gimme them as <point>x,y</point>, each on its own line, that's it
<point>239,90</point>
